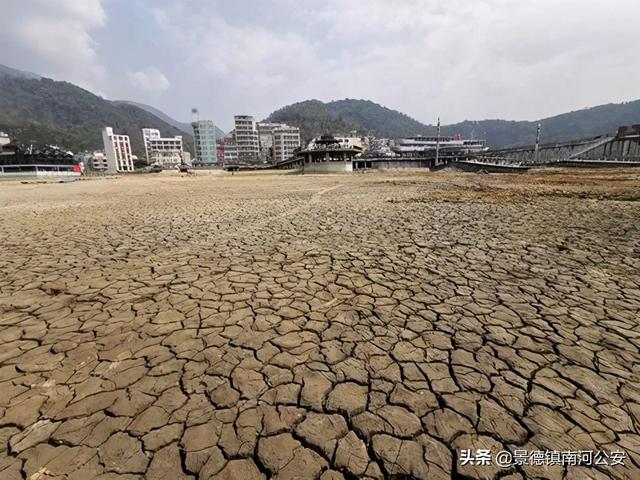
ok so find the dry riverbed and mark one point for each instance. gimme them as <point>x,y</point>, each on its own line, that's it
<point>352,326</point>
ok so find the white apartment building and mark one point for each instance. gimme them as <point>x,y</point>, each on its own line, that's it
<point>4,139</point>
<point>204,136</point>
<point>285,140</point>
<point>165,152</point>
<point>117,148</point>
<point>247,139</point>
<point>230,150</point>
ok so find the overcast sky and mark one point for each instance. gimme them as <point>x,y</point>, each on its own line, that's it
<point>460,59</point>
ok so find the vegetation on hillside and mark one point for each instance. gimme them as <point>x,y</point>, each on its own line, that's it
<point>368,118</point>
<point>44,111</point>
<point>376,120</point>
<point>40,110</point>
<point>313,117</point>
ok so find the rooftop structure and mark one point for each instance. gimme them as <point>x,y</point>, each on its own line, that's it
<point>350,141</point>
<point>325,154</point>
<point>21,160</point>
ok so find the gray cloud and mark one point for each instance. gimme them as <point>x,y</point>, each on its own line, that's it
<point>54,38</point>
<point>150,80</point>
<point>459,59</point>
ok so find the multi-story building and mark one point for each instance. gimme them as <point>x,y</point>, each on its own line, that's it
<point>4,139</point>
<point>285,140</point>
<point>277,141</point>
<point>230,150</point>
<point>117,148</point>
<point>164,152</point>
<point>98,162</point>
<point>265,136</point>
<point>204,135</point>
<point>247,139</point>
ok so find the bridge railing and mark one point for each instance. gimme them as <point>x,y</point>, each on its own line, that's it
<point>625,159</point>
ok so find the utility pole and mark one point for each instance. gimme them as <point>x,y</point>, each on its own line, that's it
<point>537,150</point>
<point>438,143</point>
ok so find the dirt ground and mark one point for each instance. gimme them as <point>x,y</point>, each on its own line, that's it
<point>335,327</point>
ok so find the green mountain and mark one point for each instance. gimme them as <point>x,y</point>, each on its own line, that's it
<point>368,118</point>
<point>376,119</point>
<point>39,110</point>
<point>313,117</point>
<point>184,126</point>
<point>44,111</point>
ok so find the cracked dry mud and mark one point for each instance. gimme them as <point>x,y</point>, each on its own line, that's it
<point>336,327</point>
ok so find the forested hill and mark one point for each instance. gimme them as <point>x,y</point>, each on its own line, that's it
<point>44,111</point>
<point>39,110</point>
<point>314,118</point>
<point>368,118</point>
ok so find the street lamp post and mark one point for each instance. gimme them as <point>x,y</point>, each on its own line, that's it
<point>537,149</point>
<point>438,143</point>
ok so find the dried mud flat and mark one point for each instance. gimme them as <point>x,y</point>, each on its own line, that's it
<point>357,326</point>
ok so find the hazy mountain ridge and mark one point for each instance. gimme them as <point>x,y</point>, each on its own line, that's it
<point>14,72</point>
<point>373,119</point>
<point>184,126</point>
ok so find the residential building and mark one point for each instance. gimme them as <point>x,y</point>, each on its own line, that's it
<point>164,152</point>
<point>4,139</point>
<point>265,137</point>
<point>117,148</point>
<point>247,139</point>
<point>285,140</point>
<point>98,162</point>
<point>204,135</point>
<point>230,150</point>
<point>381,147</point>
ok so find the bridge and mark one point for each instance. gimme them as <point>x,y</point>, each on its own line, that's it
<point>621,149</point>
